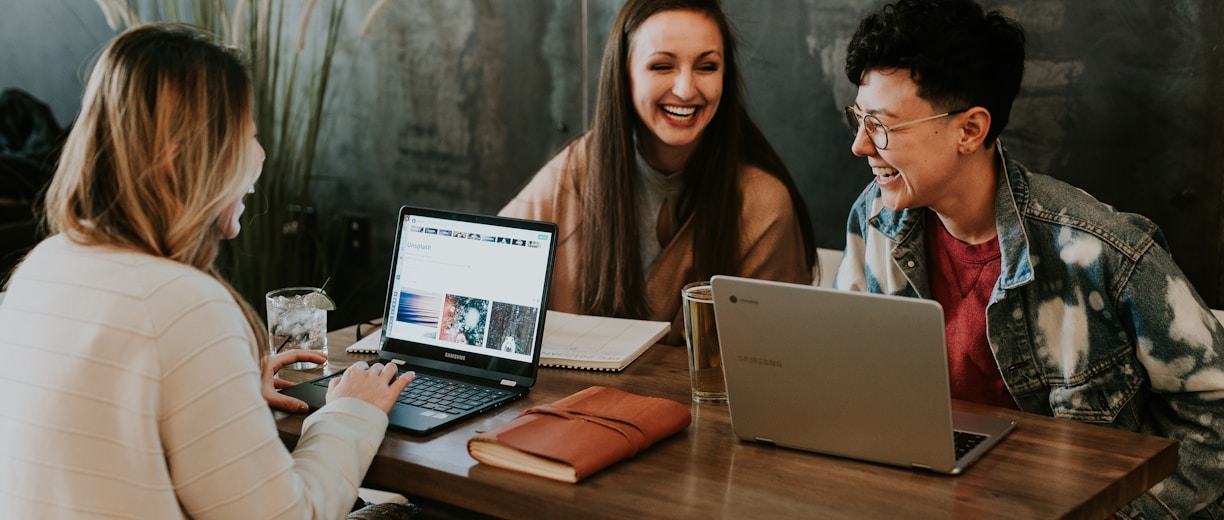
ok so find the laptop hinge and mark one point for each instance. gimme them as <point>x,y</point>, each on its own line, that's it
<point>507,382</point>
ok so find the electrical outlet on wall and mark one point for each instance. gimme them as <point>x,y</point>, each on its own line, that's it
<point>357,241</point>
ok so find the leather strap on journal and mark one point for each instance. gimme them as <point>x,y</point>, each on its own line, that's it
<point>632,433</point>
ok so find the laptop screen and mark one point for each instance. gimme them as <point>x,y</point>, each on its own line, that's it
<point>467,292</point>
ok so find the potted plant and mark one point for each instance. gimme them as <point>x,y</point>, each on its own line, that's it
<point>291,67</point>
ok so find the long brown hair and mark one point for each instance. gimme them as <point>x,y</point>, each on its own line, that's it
<point>154,158</point>
<point>613,278</point>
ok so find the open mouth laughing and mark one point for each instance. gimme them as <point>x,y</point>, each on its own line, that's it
<point>679,113</point>
<point>885,175</point>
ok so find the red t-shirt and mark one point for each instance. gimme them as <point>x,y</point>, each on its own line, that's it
<point>962,277</point>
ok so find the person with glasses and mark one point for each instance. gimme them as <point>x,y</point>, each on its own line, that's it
<point>1054,303</point>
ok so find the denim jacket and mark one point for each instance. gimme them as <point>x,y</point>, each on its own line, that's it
<point>1089,320</point>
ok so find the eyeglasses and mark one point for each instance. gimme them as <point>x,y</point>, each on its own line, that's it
<point>877,131</point>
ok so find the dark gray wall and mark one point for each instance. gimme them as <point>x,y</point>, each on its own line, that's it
<point>45,48</point>
<point>451,104</point>
<point>456,103</point>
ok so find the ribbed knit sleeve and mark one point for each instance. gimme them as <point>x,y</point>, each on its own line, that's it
<point>138,396</point>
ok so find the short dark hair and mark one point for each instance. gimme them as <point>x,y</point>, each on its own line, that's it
<point>959,55</point>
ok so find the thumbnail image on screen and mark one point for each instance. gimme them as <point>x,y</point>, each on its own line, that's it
<point>464,320</point>
<point>512,327</point>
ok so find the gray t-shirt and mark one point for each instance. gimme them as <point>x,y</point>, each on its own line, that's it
<point>652,191</point>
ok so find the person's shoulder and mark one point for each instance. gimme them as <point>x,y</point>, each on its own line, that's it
<point>761,187</point>
<point>107,267</point>
<point>169,274</point>
<point>565,167</point>
<point>142,276</point>
<point>177,297</point>
<point>1054,196</point>
<point>556,182</point>
<point>1056,201</point>
<point>577,147</point>
<point>126,286</point>
<point>570,158</point>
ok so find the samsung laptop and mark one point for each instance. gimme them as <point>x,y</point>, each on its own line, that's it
<point>465,310</point>
<point>852,374</point>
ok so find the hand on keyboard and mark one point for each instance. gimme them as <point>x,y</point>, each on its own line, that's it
<point>376,384</point>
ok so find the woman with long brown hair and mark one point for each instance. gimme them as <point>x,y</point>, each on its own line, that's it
<point>673,183</point>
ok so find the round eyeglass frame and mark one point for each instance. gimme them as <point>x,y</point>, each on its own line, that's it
<point>877,130</point>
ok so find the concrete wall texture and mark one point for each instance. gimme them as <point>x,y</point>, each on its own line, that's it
<point>456,103</point>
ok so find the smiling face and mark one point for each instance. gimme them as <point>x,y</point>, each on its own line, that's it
<point>920,167</point>
<point>228,223</point>
<point>676,76</point>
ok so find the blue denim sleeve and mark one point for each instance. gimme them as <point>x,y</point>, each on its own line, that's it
<point>852,272</point>
<point>1181,345</point>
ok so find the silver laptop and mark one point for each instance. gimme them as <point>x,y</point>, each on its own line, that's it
<point>857,375</point>
<point>465,310</point>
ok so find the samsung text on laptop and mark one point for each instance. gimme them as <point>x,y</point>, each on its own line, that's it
<point>852,374</point>
<point>465,310</point>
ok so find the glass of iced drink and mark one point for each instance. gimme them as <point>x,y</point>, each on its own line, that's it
<point>297,318</point>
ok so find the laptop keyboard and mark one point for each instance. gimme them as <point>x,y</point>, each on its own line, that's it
<point>448,396</point>
<point>445,395</point>
<point>965,442</point>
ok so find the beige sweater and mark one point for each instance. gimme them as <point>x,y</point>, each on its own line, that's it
<point>131,390</point>
<point>771,244</point>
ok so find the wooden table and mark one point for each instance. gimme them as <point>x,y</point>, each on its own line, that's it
<point>1047,468</point>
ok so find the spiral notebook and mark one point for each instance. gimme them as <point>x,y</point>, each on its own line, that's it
<point>367,345</point>
<point>578,341</point>
<point>597,342</point>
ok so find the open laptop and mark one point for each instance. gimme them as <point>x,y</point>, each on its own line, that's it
<point>852,374</point>
<point>465,310</point>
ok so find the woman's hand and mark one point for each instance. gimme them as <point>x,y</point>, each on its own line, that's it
<point>269,383</point>
<point>377,384</point>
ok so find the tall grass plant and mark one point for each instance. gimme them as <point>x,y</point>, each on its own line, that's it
<point>290,60</point>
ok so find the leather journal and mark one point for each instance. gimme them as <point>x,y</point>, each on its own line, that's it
<point>581,434</point>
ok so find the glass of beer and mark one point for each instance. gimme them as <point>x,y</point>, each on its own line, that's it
<point>701,336</point>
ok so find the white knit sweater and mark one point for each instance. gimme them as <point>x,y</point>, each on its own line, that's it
<point>131,390</point>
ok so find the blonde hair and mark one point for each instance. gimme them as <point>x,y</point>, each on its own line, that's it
<point>155,157</point>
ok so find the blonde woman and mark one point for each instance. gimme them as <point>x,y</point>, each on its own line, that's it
<point>133,386</point>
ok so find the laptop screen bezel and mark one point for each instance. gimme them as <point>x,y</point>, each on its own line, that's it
<point>485,367</point>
